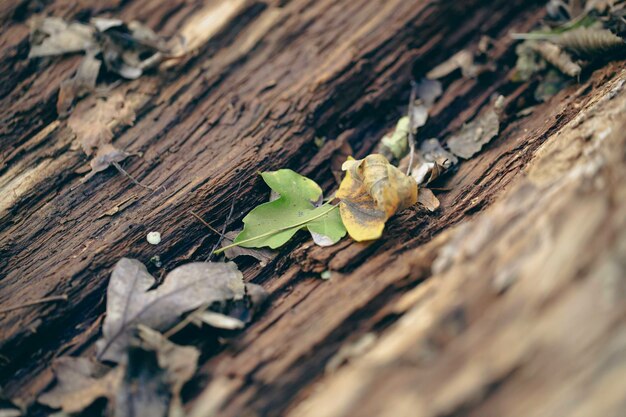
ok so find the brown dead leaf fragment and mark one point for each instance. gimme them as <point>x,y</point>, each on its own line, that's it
<point>94,118</point>
<point>178,362</point>
<point>8,408</point>
<point>474,135</point>
<point>372,191</point>
<point>556,56</point>
<point>427,199</point>
<point>261,255</point>
<point>432,162</point>
<point>53,36</point>
<point>82,83</point>
<point>79,382</point>
<point>464,60</point>
<point>130,300</point>
<point>144,390</point>
<point>106,155</point>
<point>129,50</point>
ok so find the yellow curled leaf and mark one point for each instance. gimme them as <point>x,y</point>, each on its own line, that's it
<point>372,191</point>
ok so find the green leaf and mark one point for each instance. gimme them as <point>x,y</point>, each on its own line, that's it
<point>274,223</point>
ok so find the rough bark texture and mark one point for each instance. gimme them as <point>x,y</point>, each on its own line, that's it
<point>507,301</point>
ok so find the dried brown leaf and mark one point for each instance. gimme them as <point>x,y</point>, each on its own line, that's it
<point>262,255</point>
<point>178,362</point>
<point>130,300</point>
<point>371,192</point>
<point>94,118</point>
<point>463,60</point>
<point>473,136</point>
<point>145,390</point>
<point>106,155</point>
<point>83,82</point>
<point>556,56</point>
<point>79,382</point>
<point>427,199</point>
<point>129,50</point>
<point>53,36</point>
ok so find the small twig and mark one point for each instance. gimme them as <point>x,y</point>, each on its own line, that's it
<point>230,215</point>
<point>130,177</point>
<point>201,220</point>
<point>183,323</point>
<point>50,299</point>
<point>411,136</point>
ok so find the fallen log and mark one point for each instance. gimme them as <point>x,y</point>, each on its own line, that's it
<point>506,301</point>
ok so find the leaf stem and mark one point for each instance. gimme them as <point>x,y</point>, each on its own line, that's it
<point>411,137</point>
<point>281,229</point>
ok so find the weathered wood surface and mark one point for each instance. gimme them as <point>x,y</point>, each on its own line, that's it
<point>267,78</point>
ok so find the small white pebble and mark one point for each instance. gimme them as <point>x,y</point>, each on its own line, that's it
<point>154,238</point>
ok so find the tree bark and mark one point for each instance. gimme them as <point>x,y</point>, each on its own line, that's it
<point>507,301</point>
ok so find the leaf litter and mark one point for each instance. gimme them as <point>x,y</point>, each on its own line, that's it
<point>151,370</point>
<point>572,37</point>
<point>127,50</point>
<point>131,301</point>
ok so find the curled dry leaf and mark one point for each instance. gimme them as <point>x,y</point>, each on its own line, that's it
<point>432,162</point>
<point>129,50</point>
<point>105,156</point>
<point>427,199</point>
<point>178,362</point>
<point>144,390</point>
<point>130,300</point>
<point>274,223</point>
<point>428,91</point>
<point>465,60</point>
<point>232,252</point>
<point>82,83</point>
<point>590,41</point>
<point>372,191</point>
<point>53,36</point>
<point>473,136</point>
<point>556,56</point>
<point>79,382</point>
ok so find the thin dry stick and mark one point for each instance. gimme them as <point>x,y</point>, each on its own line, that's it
<point>411,137</point>
<point>183,323</point>
<point>130,177</point>
<point>230,215</point>
<point>211,228</point>
<point>50,299</point>
<point>280,229</point>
